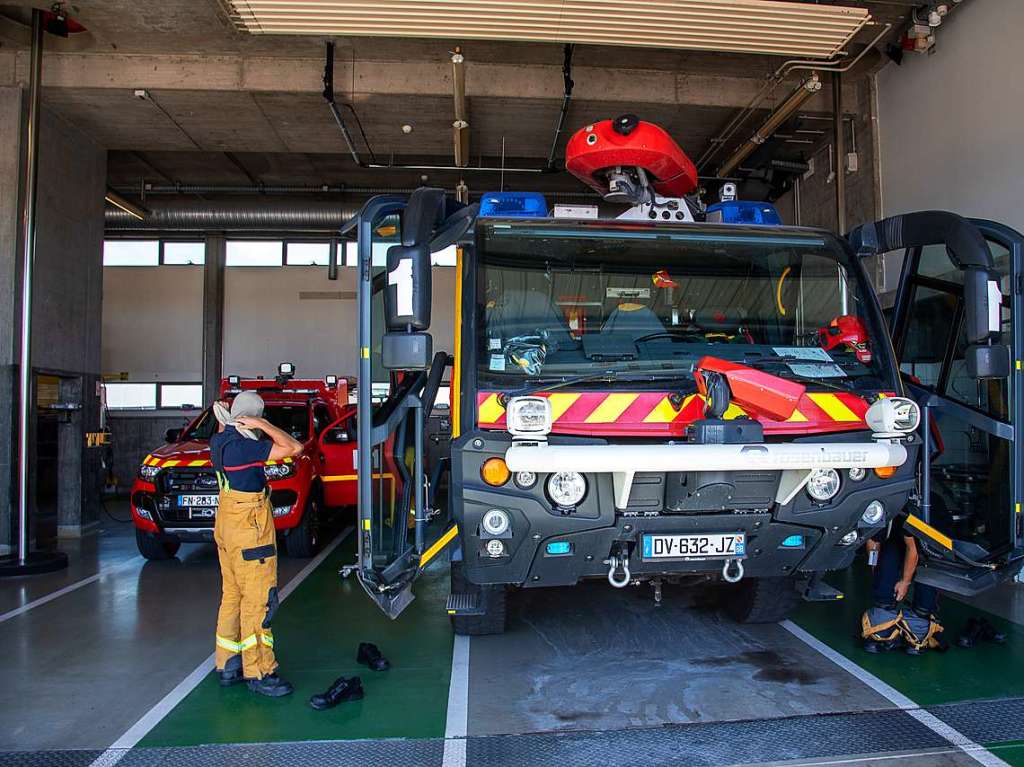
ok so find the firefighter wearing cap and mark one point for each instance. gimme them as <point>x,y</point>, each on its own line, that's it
<point>245,537</point>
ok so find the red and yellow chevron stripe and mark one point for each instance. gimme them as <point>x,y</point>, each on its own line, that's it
<point>656,413</point>
<point>167,463</point>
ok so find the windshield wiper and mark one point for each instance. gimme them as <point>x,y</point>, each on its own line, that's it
<point>606,376</point>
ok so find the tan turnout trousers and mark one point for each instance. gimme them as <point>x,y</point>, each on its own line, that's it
<point>244,532</point>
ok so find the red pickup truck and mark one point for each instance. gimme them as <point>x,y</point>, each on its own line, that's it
<point>174,496</point>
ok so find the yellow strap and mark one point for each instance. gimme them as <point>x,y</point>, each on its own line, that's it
<point>228,644</point>
<point>248,643</point>
<point>868,630</point>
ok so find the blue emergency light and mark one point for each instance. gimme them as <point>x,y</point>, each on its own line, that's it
<point>513,205</point>
<point>743,212</point>
<point>559,548</point>
<point>793,542</point>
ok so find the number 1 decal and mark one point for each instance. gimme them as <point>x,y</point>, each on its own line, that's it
<point>401,278</point>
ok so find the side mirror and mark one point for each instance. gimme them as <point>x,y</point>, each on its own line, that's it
<point>984,362</point>
<point>172,435</point>
<point>982,306</point>
<point>336,436</point>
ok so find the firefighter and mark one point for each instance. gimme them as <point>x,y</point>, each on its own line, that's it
<point>888,624</point>
<point>245,537</point>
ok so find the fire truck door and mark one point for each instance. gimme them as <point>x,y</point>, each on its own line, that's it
<point>968,521</point>
<point>338,461</point>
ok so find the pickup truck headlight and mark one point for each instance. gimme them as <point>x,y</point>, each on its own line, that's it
<point>528,417</point>
<point>279,470</point>
<point>148,473</point>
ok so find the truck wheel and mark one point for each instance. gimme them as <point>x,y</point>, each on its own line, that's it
<point>762,600</point>
<point>154,547</point>
<point>303,539</point>
<point>494,600</point>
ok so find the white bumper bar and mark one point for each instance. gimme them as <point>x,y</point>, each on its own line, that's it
<point>623,461</point>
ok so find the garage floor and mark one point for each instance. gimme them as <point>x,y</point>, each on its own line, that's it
<point>116,664</point>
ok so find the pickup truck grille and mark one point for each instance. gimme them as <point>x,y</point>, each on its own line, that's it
<point>188,481</point>
<point>176,482</point>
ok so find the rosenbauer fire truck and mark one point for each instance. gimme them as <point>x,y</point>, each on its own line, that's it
<point>174,496</point>
<point>682,393</point>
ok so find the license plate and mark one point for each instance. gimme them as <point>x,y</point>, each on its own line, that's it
<point>695,547</point>
<point>200,501</point>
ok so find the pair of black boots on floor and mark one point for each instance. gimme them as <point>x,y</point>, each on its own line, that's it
<point>346,689</point>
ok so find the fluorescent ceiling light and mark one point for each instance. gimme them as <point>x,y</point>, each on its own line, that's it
<point>738,26</point>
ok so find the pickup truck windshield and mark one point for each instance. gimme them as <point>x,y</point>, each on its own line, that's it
<point>558,300</point>
<point>293,419</point>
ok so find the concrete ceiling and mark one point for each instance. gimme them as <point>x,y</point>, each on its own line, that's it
<point>228,107</point>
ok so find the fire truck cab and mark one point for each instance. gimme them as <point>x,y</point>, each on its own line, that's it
<point>678,393</point>
<point>174,496</point>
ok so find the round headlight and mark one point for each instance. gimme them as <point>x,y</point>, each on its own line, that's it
<point>823,484</point>
<point>148,473</point>
<point>495,522</point>
<point>849,539</point>
<point>857,473</point>
<point>566,488</point>
<point>495,548</point>
<point>874,513</point>
<point>525,479</point>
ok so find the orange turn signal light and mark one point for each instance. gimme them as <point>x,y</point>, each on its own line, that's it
<point>495,472</point>
<point>884,472</point>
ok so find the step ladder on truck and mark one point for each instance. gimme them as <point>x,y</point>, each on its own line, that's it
<point>681,393</point>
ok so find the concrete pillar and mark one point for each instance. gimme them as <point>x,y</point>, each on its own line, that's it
<point>213,316</point>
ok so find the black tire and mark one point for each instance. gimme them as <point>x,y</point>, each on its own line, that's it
<point>155,547</point>
<point>762,600</point>
<point>303,540</point>
<point>495,603</point>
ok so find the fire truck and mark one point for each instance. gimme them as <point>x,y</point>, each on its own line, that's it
<point>174,496</point>
<point>684,392</point>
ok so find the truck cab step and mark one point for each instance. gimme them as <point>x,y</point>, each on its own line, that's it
<point>464,604</point>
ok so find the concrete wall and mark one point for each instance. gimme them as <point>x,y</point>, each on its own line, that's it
<point>950,123</point>
<point>67,297</point>
<point>135,436</point>
<point>153,322</point>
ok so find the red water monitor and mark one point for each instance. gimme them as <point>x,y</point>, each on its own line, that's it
<point>604,156</point>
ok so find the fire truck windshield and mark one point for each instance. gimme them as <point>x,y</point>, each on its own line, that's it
<point>561,299</point>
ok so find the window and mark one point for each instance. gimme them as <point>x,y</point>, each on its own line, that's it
<point>181,395</point>
<point>307,253</point>
<point>184,253</point>
<point>253,253</point>
<point>131,396</point>
<point>321,418</point>
<point>444,257</point>
<point>131,253</point>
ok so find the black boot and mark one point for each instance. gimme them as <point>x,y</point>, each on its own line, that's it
<point>232,672</point>
<point>370,656</point>
<point>271,685</point>
<point>343,689</point>
<point>971,634</point>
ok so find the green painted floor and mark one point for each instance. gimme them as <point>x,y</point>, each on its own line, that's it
<point>317,631</point>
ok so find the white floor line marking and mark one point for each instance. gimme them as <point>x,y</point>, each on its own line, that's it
<point>457,725</point>
<point>120,747</point>
<point>66,590</point>
<point>932,722</point>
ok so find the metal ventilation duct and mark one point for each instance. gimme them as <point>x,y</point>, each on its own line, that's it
<point>234,215</point>
<point>738,26</point>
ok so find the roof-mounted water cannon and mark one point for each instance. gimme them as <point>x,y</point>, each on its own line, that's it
<point>632,162</point>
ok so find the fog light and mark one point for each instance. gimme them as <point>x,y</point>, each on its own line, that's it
<point>525,479</point>
<point>282,511</point>
<point>566,488</point>
<point>143,513</point>
<point>849,539</point>
<point>559,548</point>
<point>495,549</point>
<point>495,522</point>
<point>857,473</point>
<point>823,484</point>
<point>874,513</point>
<point>495,472</point>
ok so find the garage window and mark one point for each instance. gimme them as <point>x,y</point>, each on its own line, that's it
<point>131,396</point>
<point>185,253</point>
<point>181,395</point>
<point>307,253</point>
<point>254,253</point>
<point>131,253</point>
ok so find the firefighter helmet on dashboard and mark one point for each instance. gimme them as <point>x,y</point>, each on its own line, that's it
<point>846,330</point>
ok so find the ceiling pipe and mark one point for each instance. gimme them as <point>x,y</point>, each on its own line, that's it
<point>235,215</point>
<point>785,110</point>
<point>328,94</point>
<point>237,189</point>
<point>460,126</point>
<point>566,98</point>
<point>129,207</point>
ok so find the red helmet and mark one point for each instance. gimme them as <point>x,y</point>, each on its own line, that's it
<point>847,330</point>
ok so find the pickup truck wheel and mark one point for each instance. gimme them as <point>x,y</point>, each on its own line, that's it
<point>494,600</point>
<point>762,600</point>
<point>154,547</point>
<point>303,539</point>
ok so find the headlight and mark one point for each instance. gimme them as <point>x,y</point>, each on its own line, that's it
<point>823,484</point>
<point>849,539</point>
<point>525,479</point>
<point>857,473</point>
<point>495,522</point>
<point>893,415</point>
<point>495,549</point>
<point>279,470</point>
<point>148,473</point>
<point>528,416</point>
<point>566,488</point>
<point>874,513</point>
